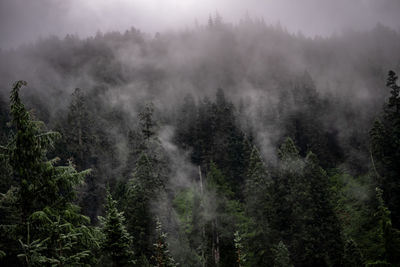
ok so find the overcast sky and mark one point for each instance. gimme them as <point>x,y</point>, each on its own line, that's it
<point>26,20</point>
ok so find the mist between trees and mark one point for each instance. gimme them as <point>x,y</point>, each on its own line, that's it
<point>220,145</point>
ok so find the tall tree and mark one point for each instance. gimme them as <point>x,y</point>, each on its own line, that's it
<point>88,145</point>
<point>282,257</point>
<point>162,256</point>
<point>385,150</point>
<point>117,244</point>
<point>147,122</point>
<point>259,209</point>
<point>142,188</point>
<point>305,219</point>
<point>387,237</point>
<point>44,195</point>
<point>240,252</point>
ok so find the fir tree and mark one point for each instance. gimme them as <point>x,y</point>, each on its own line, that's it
<point>147,122</point>
<point>259,208</point>
<point>387,238</point>
<point>240,253</point>
<point>143,187</point>
<point>162,256</point>
<point>45,193</point>
<point>117,244</point>
<point>282,257</point>
<point>385,150</point>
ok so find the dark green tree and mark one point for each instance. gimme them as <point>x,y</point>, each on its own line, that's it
<point>385,150</point>
<point>142,188</point>
<point>387,238</point>
<point>259,209</point>
<point>282,256</point>
<point>240,252</point>
<point>117,244</point>
<point>44,196</point>
<point>323,243</point>
<point>147,123</point>
<point>305,219</point>
<point>162,256</point>
<point>85,143</point>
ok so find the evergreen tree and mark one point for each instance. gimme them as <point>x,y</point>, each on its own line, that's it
<point>162,256</point>
<point>282,257</point>
<point>44,195</point>
<point>305,219</point>
<point>117,241</point>
<point>224,214</point>
<point>147,123</point>
<point>259,208</point>
<point>385,150</point>
<point>387,237</point>
<point>185,135</point>
<point>240,253</point>
<point>143,187</point>
<point>5,173</point>
<point>86,144</point>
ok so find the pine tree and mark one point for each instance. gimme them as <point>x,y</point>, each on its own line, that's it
<point>185,134</point>
<point>394,100</point>
<point>387,238</point>
<point>117,244</point>
<point>80,133</point>
<point>304,218</point>
<point>259,209</point>
<point>224,213</point>
<point>282,257</point>
<point>147,122</point>
<point>240,253</point>
<point>385,150</point>
<point>322,240</point>
<point>143,187</point>
<point>6,180</point>
<point>45,193</point>
<point>162,256</point>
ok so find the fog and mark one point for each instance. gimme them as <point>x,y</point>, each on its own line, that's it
<point>186,84</point>
<point>24,21</point>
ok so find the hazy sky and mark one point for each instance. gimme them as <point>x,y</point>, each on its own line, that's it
<point>26,20</point>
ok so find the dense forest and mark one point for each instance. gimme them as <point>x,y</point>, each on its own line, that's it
<point>219,145</point>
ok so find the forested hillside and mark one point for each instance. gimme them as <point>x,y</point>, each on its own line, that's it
<point>220,145</point>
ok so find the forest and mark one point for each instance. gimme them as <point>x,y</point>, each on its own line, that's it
<point>220,145</point>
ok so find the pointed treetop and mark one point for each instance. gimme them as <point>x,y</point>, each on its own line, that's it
<point>282,256</point>
<point>288,149</point>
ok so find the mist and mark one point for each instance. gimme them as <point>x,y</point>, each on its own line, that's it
<point>223,130</point>
<point>23,21</point>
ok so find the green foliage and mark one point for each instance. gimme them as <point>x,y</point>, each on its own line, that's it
<point>259,209</point>
<point>282,257</point>
<point>240,253</point>
<point>286,202</point>
<point>85,142</point>
<point>352,255</point>
<point>117,243</point>
<point>304,218</point>
<point>31,255</point>
<point>147,122</point>
<point>385,149</point>
<point>143,187</point>
<point>162,256</point>
<point>44,196</point>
